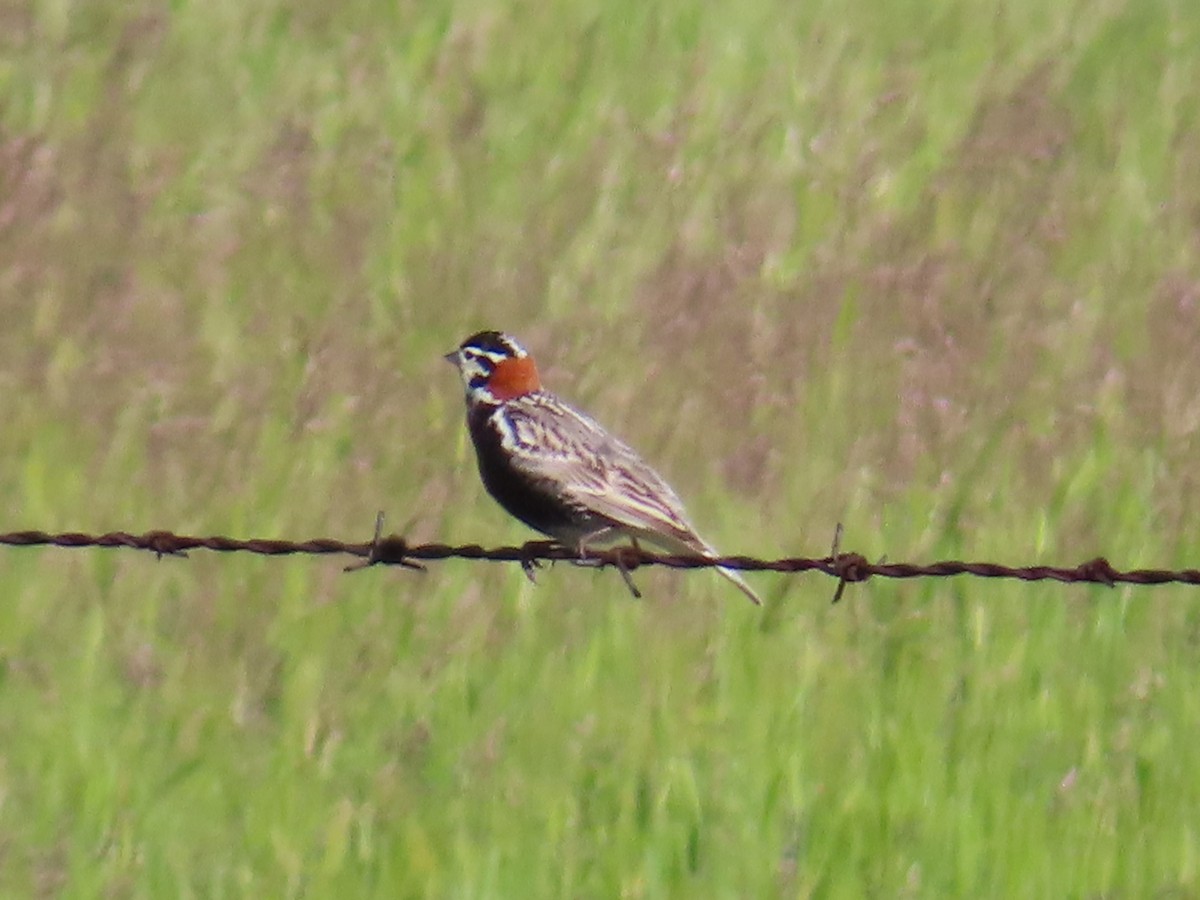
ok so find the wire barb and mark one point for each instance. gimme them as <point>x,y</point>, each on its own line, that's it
<point>530,561</point>
<point>161,544</point>
<point>623,568</point>
<point>389,551</point>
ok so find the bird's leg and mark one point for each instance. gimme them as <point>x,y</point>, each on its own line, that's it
<point>582,546</point>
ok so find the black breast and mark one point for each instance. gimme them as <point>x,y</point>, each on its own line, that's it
<point>531,501</point>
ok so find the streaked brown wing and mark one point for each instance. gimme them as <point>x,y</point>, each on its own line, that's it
<point>588,466</point>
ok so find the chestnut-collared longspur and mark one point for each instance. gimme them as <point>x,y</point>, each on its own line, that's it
<point>556,469</point>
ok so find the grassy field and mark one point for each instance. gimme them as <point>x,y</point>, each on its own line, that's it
<point>929,269</point>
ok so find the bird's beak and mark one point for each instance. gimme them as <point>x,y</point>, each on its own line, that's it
<point>451,358</point>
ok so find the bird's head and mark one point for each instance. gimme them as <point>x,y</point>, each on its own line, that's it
<point>494,367</point>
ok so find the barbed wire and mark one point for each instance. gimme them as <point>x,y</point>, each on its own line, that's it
<point>848,568</point>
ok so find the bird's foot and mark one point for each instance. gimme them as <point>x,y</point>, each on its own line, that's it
<point>531,559</point>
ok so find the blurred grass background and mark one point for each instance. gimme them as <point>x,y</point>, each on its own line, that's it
<point>928,268</point>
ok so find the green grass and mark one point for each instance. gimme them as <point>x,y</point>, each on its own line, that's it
<point>929,269</point>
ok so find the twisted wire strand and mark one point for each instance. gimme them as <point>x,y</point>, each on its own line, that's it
<point>395,550</point>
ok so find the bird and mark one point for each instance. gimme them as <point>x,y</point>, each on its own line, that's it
<point>559,471</point>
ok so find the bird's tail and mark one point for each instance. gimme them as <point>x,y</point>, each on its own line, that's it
<point>734,576</point>
<point>706,549</point>
<point>690,542</point>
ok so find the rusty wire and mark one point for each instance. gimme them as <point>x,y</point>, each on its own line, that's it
<point>848,568</point>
